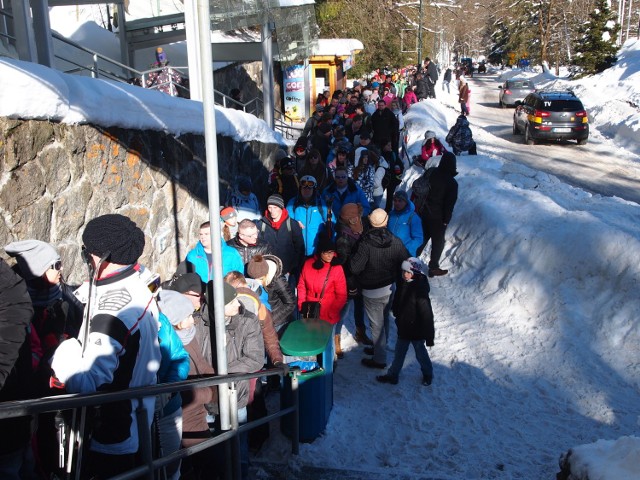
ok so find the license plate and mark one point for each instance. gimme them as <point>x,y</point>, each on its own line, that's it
<point>562,130</point>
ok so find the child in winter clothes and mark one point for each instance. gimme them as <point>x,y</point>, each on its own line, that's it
<point>460,137</point>
<point>410,98</point>
<point>414,319</point>
<point>463,96</point>
<point>431,146</point>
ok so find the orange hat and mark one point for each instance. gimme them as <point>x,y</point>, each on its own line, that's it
<point>228,213</point>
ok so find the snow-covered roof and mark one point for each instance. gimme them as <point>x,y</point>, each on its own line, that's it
<point>341,47</point>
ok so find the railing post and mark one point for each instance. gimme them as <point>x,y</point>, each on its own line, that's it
<point>144,438</point>
<point>295,434</point>
<point>236,459</point>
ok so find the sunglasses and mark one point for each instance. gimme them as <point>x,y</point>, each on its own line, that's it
<point>57,265</point>
<point>340,177</point>
<point>307,184</point>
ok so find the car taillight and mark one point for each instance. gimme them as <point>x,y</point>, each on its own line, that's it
<point>538,115</point>
<point>583,114</point>
<point>507,92</point>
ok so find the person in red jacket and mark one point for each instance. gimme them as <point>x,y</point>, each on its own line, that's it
<point>431,146</point>
<point>320,273</point>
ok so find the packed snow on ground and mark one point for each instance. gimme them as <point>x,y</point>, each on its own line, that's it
<point>537,323</point>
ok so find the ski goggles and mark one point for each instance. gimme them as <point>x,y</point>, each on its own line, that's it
<point>307,185</point>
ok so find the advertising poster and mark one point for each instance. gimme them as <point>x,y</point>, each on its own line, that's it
<point>294,106</point>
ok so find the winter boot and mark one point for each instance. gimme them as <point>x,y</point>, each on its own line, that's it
<point>336,340</point>
<point>361,336</point>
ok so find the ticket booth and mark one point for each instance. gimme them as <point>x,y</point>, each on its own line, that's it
<point>327,68</point>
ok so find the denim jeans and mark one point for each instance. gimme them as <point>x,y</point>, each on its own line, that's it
<point>378,312</point>
<point>422,356</point>
<point>170,434</point>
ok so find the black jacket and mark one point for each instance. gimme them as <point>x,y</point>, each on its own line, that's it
<point>281,299</point>
<point>432,73</point>
<point>248,252</point>
<point>321,142</point>
<point>378,258</point>
<point>15,355</point>
<point>385,125</point>
<point>422,89</point>
<point>444,190</point>
<point>15,315</point>
<point>346,244</point>
<point>287,242</point>
<point>412,309</point>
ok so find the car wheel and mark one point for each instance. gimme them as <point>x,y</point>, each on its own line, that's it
<point>515,127</point>
<point>527,137</point>
<point>583,141</point>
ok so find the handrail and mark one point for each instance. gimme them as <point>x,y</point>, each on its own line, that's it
<point>9,15</point>
<point>73,401</point>
<point>96,56</point>
<point>283,123</point>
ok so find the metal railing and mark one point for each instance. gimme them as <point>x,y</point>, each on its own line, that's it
<point>6,20</point>
<point>149,464</point>
<point>105,67</point>
<point>101,65</point>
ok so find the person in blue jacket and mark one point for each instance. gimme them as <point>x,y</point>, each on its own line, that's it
<point>344,190</point>
<point>405,223</point>
<point>200,256</point>
<point>310,211</point>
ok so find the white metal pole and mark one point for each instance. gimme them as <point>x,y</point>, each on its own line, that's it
<point>268,103</point>
<point>213,192</point>
<point>193,49</point>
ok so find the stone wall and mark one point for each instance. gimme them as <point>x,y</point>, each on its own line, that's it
<point>56,177</point>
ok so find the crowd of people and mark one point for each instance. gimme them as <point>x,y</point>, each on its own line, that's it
<point>338,238</point>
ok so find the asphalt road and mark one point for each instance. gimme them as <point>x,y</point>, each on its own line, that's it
<point>599,167</point>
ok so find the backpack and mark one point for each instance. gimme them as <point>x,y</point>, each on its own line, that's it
<point>388,176</point>
<point>420,190</point>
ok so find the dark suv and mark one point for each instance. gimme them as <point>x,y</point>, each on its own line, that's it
<point>551,115</point>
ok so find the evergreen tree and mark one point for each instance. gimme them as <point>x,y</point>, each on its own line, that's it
<point>596,46</point>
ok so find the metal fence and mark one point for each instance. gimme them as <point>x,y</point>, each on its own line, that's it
<point>78,403</point>
<point>99,66</point>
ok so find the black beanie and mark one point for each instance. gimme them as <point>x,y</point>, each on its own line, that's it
<point>116,234</point>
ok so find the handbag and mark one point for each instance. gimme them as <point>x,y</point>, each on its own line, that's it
<point>311,309</point>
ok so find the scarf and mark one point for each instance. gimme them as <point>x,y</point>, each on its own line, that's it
<point>187,335</point>
<point>43,297</point>
<point>278,224</point>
